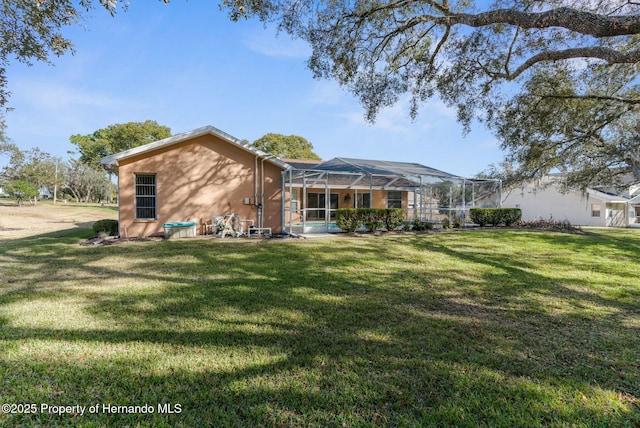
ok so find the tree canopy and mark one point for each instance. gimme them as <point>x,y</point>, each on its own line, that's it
<point>33,166</point>
<point>496,61</point>
<point>117,138</point>
<point>21,190</point>
<point>511,63</point>
<point>286,146</point>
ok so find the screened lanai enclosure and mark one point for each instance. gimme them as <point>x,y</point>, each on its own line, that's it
<point>312,192</point>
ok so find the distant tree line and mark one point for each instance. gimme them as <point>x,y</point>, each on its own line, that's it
<point>34,173</point>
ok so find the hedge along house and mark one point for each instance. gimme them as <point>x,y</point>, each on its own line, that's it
<point>205,173</point>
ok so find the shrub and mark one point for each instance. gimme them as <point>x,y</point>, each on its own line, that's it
<point>422,225</point>
<point>348,219</point>
<point>393,218</point>
<point>480,216</point>
<point>495,216</point>
<point>446,223</point>
<point>107,226</point>
<point>372,218</point>
<point>549,224</point>
<point>419,225</point>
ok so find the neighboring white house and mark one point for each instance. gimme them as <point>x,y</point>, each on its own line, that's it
<point>546,199</point>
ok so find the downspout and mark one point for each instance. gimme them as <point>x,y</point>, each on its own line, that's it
<point>282,222</point>
<point>290,200</point>
<point>118,196</point>
<point>261,204</point>
<point>261,225</point>
<point>255,182</point>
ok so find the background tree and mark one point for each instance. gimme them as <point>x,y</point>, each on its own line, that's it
<point>116,138</point>
<point>286,146</point>
<point>479,57</point>
<point>33,166</point>
<point>592,138</point>
<point>21,191</point>
<point>87,184</point>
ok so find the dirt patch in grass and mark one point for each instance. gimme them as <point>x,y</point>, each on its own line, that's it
<point>29,220</point>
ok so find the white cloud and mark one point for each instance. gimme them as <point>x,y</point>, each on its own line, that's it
<point>327,92</point>
<point>51,95</point>
<point>48,112</point>
<point>277,45</point>
<point>432,116</point>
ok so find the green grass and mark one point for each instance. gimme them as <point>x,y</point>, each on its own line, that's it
<point>482,328</point>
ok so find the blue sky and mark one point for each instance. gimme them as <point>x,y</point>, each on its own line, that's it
<point>187,65</point>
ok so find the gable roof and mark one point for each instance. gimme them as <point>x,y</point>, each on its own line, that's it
<point>114,159</point>
<point>607,197</point>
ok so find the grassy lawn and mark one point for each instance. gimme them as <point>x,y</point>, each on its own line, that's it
<point>483,328</point>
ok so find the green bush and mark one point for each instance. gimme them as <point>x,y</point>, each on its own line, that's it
<point>108,226</point>
<point>495,216</point>
<point>419,225</point>
<point>422,225</point>
<point>372,218</point>
<point>348,219</point>
<point>393,218</point>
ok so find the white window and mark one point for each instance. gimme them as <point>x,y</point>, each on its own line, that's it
<point>362,201</point>
<point>595,210</point>
<point>145,197</point>
<point>394,199</point>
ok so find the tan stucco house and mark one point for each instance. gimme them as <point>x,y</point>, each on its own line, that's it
<point>192,177</point>
<point>197,175</point>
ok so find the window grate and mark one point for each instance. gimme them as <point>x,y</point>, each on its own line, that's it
<point>146,197</point>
